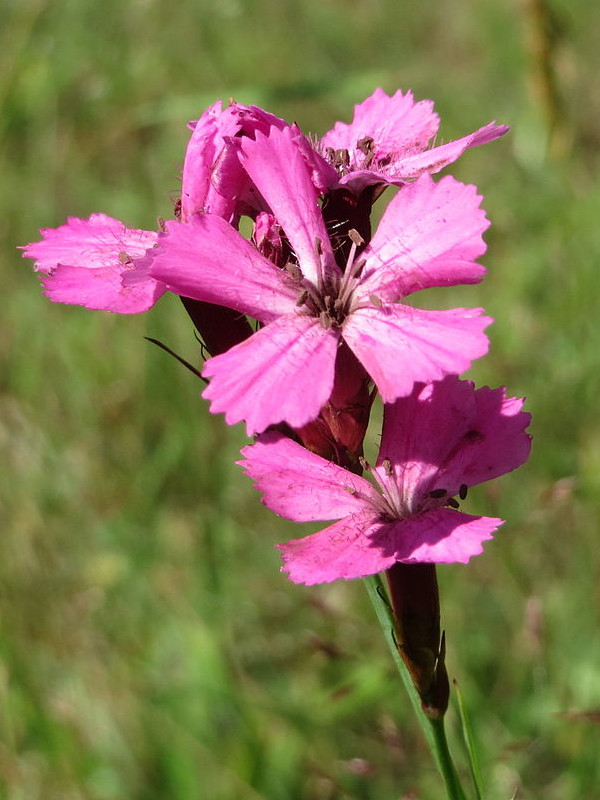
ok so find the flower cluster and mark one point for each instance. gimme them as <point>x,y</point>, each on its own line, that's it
<point>311,317</point>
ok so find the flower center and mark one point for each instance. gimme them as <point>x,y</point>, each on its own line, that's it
<point>394,504</point>
<point>340,159</point>
<point>332,299</point>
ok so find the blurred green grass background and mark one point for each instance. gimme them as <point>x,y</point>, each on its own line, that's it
<point>149,646</point>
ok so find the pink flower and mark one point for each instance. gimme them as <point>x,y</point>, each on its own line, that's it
<point>388,141</point>
<point>213,180</point>
<point>430,235</point>
<point>89,262</point>
<point>438,441</point>
<point>84,261</point>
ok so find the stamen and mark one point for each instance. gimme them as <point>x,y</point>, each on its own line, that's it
<point>353,268</point>
<point>462,492</point>
<point>293,270</point>
<point>357,268</point>
<point>437,493</point>
<point>302,298</point>
<point>355,237</point>
<point>365,146</point>
<point>339,159</point>
<point>325,320</point>
<point>321,272</point>
<point>351,255</point>
<point>395,507</point>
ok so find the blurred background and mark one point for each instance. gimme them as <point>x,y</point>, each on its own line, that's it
<point>150,649</point>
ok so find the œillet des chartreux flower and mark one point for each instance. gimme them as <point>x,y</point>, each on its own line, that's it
<point>308,320</point>
<point>213,182</point>
<point>442,438</point>
<point>333,325</point>
<point>388,141</point>
<point>429,235</point>
<point>83,262</point>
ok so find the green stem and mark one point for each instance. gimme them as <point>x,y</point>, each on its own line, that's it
<point>433,729</point>
<point>444,759</point>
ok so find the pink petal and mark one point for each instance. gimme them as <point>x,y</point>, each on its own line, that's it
<point>213,179</point>
<point>323,176</point>
<point>206,143</point>
<point>347,549</point>
<point>399,345</point>
<point>358,180</point>
<point>280,171</point>
<point>446,434</point>
<point>401,131</point>
<point>504,445</point>
<point>91,243</point>
<point>359,545</point>
<point>397,125</point>
<point>208,260</point>
<point>302,486</point>
<point>284,372</point>
<point>430,235</point>
<point>420,433</point>
<point>443,536</point>
<point>100,289</point>
<point>266,235</point>
<point>85,261</point>
<point>439,157</point>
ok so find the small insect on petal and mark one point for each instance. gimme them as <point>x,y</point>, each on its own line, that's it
<point>375,301</point>
<point>124,258</point>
